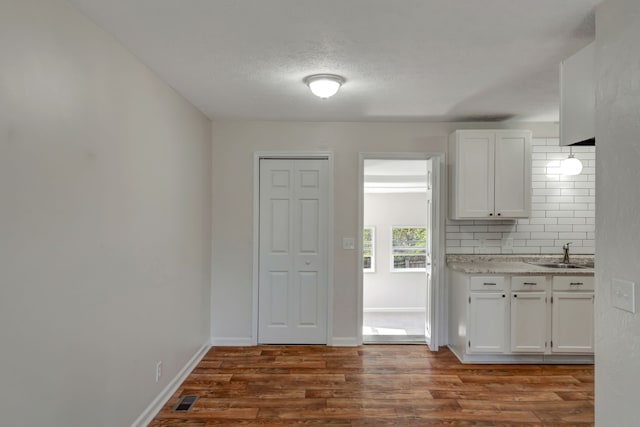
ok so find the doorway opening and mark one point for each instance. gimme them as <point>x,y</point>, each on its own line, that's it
<point>399,240</point>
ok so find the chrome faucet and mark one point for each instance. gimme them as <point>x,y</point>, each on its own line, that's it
<point>565,248</point>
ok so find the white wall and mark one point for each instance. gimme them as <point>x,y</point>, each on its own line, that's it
<point>562,210</point>
<point>105,213</point>
<point>617,225</point>
<point>383,288</point>
<point>234,143</point>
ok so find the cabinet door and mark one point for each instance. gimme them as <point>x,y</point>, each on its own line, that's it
<point>487,317</point>
<point>512,174</point>
<point>529,322</point>
<point>572,322</point>
<point>474,164</point>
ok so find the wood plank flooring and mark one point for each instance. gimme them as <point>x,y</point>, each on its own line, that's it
<point>376,385</point>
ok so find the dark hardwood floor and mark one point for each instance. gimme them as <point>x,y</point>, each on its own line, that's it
<point>376,385</point>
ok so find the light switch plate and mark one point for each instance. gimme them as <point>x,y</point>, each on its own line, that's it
<point>348,243</point>
<point>623,295</point>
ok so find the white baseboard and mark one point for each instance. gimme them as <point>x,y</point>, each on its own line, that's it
<point>395,310</point>
<point>538,359</point>
<point>344,342</point>
<point>156,405</point>
<point>249,342</point>
<point>232,341</point>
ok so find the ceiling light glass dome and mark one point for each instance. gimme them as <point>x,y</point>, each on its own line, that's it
<point>324,85</point>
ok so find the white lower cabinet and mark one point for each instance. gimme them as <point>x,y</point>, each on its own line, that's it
<point>529,322</point>
<point>572,315</point>
<point>487,322</point>
<point>521,318</point>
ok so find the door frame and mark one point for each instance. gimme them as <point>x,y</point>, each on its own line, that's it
<point>290,155</point>
<point>438,243</point>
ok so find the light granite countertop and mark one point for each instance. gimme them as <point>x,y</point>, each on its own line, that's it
<point>518,264</point>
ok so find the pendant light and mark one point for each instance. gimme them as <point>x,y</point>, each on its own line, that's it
<point>324,85</point>
<point>570,165</point>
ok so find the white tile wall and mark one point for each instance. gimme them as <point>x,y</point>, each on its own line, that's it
<point>562,210</point>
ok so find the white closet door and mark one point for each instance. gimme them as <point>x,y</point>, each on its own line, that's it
<point>292,290</point>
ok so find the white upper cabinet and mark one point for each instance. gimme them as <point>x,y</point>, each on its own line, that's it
<point>577,97</point>
<point>490,174</point>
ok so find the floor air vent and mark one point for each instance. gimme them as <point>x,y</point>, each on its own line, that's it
<point>186,403</point>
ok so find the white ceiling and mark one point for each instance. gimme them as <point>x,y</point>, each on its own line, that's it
<point>404,60</point>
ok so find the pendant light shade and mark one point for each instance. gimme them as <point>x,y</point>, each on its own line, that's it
<point>570,165</point>
<point>324,85</point>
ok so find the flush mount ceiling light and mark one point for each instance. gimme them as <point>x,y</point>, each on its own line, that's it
<point>324,85</point>
<point>571,165</point>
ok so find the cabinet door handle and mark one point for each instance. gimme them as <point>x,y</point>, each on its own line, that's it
<point>530,283</point>
<point>504,296</point>
<point>499,214</point>
<point>491,214</point>
<point>576,283</point>
<point>489,284</point>
<point>515,295</point>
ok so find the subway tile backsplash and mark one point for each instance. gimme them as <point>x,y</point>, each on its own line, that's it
<point>562,210</point>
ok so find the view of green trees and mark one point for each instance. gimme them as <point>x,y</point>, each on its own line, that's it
<point>409,247</point>
<point>367,248</point>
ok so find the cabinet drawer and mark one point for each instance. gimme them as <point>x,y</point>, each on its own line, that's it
<point>487,283</point>
<point>528,283</point>
<point>573,283</point>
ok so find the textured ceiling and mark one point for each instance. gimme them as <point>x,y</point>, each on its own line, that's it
<point>404,60</point>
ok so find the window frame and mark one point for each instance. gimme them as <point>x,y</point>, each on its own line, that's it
<point>372,269</point>
<point>392,254</point>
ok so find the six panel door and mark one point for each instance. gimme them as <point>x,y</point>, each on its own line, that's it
<point>292,289</point>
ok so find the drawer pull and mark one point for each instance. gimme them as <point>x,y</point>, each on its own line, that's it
<point>530,283</point>
<point>576,283</point>
<point>489,284</point>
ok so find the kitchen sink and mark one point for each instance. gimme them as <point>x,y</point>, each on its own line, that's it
<point>556,265</point>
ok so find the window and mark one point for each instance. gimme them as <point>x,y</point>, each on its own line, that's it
<point>369,249</point>
<point>409,248</point>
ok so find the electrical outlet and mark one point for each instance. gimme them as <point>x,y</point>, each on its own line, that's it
<point>158,370</point>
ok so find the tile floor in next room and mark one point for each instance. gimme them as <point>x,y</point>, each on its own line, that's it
<point>376,385</point>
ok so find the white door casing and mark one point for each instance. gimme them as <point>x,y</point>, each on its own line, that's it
<point>293,272</point>
<point>436,309</point>
<point>429,309</point>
